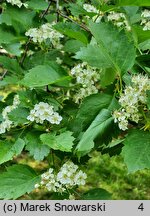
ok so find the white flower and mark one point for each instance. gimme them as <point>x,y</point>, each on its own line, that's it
<point>17,3</point>
<point>51,171</point>
<point>87,76</point>
<point>63,178</point>
<point>31,117</point>
<point>147,26</point>
<point>145,20</point>
<point>7,124</point>
<point>67,177</point>
<point>51,186</point>
<point>123,125</point>
<point>113,16</point>
<point>71,197</point>
<point>43,111</point>
<point>36,185</point>
<point>6,110</point>
<point>2,128</point>
<point>58,60</point>
<point>79,178</point>
<point>118,19</point>
<point>55,118</point>
<point>130,100</point>
<point>46,31</point>
<point>146,13</point>
<point>16,101</point>
<point>90,8</point>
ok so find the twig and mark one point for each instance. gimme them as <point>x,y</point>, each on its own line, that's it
<point>27,44</point>
<point>46,11</point>
<point>47,89</point>
<point>3,75</point>
<point>57,9</point>
<point>81,25</point>
<point>25,52</point>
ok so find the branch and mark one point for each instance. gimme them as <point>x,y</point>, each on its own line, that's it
<point>27,44</point>
<point>57,9</point>
<point>46,11</point>
<point>81,25</point>
<point>3,75</point>
<point>25,52</point>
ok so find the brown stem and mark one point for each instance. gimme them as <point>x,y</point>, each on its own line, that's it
<point>25,52</point>
<point>47,89</point>
<point>81,25</point>
<point>3,75</point>
<point>57,9</point>
<point>27,44</point>
<point>46,11</point>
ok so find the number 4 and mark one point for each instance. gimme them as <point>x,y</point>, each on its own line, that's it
<point>141,207</point>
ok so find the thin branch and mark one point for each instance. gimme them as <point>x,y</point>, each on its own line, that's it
<point>47,89</point>
<point>57,9</point>
<point>81,25</point>
<point>28,42</point>
<point>26,50</point>
<point>3,75</point>
<point>46,11</point>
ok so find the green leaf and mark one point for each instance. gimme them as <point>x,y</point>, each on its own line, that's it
<point>19,115</point>
<point>107,77</point>
<point>19,18</point>
<point>136,150</point>
<point>73,46</point>
<point>9,150</point>
<point>145,45</point>
<point>11,65</point>
<point>113,49</point>
<point>35,146</point>
<point>9,80</point>
<point>98,127</point>
<point>13,49</point>
<point>141,34</point>
<point>42,75</point>
<point>18,180</point>
<point>94,104</point>
<point>41,58</point>
<point>6,36</point>
<point>62,142</point>
<point>96,194</point>
<point>72,30</point>
<point>133,14</point>
<point>77,10</point>
<point>27,98</point>
<point>37,5</point>
<point>135,2</point>
<point>94,56</point>
<point>144,60</point>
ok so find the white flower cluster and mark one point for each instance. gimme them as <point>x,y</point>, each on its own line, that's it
<point>145,19</point>
<point>87,76</point>
<point>68,177</point>
<point>130,100</point>
<point>7,124</point>
<point>91,9</point>
<point>118,19</point>
<point>46,31</point>
<point>17,3</point>
<point>43,111</point>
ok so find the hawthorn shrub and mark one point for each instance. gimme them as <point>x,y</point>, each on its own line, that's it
<point>76,75</point>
